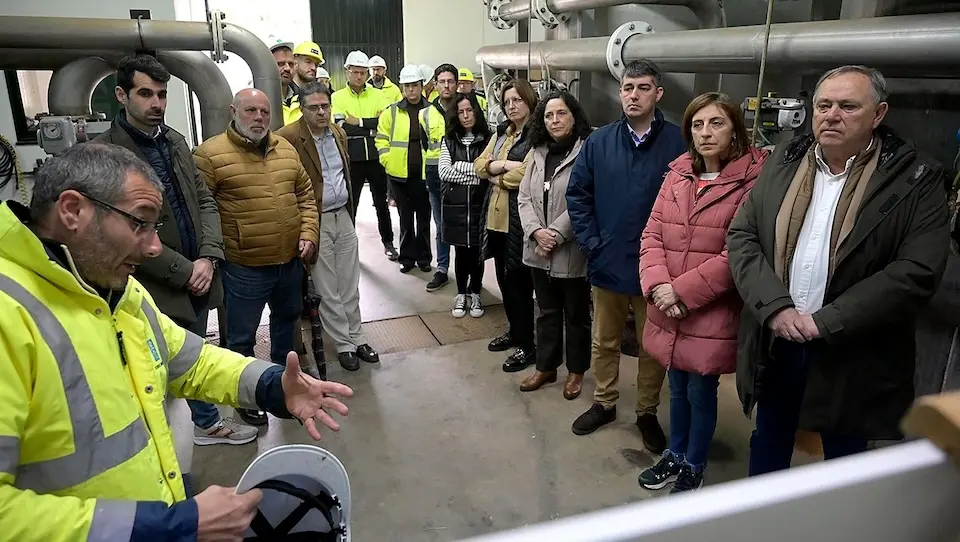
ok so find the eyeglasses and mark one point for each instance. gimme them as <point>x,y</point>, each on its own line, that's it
<point>140,226</point>
<point>315,108</point>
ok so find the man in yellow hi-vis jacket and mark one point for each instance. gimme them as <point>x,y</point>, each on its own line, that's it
<point>86,452</point>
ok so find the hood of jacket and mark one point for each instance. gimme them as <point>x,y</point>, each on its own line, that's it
<point>747,166</point>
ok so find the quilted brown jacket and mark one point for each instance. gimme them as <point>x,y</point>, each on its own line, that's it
<point>265,197</point>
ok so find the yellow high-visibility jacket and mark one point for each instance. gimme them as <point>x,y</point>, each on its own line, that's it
<point>83,434</point>
<point>434,125</point>
<point>391,92</point>
<point>393,140</point>
<point>366,106</point>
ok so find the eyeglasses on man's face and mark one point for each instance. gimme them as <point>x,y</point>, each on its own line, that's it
<point>316,107</point>
<point>140,226</point>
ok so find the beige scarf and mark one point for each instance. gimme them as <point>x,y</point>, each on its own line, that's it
<point>793,209</point>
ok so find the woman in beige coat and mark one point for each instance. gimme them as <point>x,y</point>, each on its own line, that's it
<point>558,128</point>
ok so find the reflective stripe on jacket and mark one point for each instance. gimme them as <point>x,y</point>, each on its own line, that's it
<point>83,433</point>
<point>366,106</point>
<point>434,127</point>
<point>393,140</point>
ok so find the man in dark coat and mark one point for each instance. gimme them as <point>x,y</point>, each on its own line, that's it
<point>839,245</point>
<point>183,279</point>
<point>613,186</point>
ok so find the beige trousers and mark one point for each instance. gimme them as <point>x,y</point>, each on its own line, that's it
<point>610,311</point>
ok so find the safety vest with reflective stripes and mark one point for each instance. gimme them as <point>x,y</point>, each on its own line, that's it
<point>366,105</point>
<point>393,135</point>
<point>291,105</point>
<point>434,126</point>
<point>391,92</point>
<point>82,393</point>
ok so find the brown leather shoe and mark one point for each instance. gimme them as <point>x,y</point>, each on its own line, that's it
<point>571,388</point>
<point>537,380</point>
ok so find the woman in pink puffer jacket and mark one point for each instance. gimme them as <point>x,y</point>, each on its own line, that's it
<point>694,308</point>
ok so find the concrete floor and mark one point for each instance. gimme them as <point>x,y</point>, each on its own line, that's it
<point>440,444</point>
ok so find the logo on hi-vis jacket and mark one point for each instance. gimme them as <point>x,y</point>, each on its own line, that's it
<point>153,350</point>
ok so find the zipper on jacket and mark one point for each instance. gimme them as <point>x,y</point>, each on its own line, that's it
<point>123,356</point>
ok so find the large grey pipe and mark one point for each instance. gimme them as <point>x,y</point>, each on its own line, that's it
<point>194,68</point>
<point>141,34</point>
<point>709,13</point>
<point>204,77</point>
<point>926,46</point>
<point>71,87</point>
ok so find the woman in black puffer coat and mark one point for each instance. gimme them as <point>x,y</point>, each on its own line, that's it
<point>462,195</point>
<point>503,164</point>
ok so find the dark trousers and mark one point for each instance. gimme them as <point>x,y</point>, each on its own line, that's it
<point>693,415</point>
<point>778,413</point>
<point>564,320</point>
<point>204,415</point>
<point>371,171</point>
<point>516,286</point>
<point>247,290</point>
<point>413,204</point>
<point>469,270</point>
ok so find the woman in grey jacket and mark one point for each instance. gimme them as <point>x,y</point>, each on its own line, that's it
<point>550,249</point>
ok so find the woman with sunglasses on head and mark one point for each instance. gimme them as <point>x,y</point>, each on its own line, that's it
<point>557,131</point>
<point>462,197</point>
<point>694,308</point>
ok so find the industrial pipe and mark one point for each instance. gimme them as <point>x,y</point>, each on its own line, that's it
<point>709,13</point>
<point>144,34</point>
<point>202,76</point>
<point>71,87</point>
<point>194,68</point>
<point>924,46</point>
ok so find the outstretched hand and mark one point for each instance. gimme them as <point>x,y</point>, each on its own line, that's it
<point>308,399</point>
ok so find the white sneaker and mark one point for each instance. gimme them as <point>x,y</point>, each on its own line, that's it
<point>476,307</point>
<point>226,431</point>
<point>459,306</point>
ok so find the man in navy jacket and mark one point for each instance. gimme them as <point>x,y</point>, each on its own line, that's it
<point>614,183</point>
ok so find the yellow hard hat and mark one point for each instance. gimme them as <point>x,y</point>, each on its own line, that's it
<point>465,75</point>
<point>310,49</point>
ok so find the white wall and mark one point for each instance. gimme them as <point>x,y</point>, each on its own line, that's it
<point>438,31</point>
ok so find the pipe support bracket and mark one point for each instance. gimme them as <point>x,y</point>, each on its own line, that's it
<point>215,18</point>
<point>549,19</point>
<point>615,60</point>
<point>493,13</point>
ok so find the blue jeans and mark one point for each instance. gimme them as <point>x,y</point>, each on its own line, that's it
<point>247,290</point>
<point>693,415</point>
<point>204,415</point>
<point>778,413</point>
<point>433,187</point>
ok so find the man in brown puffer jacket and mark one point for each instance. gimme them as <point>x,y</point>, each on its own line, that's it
<point>270,224</point>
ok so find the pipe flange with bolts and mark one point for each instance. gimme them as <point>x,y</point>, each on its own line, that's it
<point>493,13</point>
<point>546,16</point>
<point>615,60</point>
<point>215,18</point>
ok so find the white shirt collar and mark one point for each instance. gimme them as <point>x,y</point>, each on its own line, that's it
<point>822,164</point>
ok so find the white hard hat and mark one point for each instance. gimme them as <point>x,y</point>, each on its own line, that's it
<point>377,61</point>
<point>291,476</point>
<point>427,72</point>
<point>411,74</point>
<point>322,73</point>
<point>358,59</point>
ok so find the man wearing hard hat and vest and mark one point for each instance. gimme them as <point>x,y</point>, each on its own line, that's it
<point>378,78</point>
<point>356,108</point>
<point>400,144</point>
<point>466,84</point>
<point>86,452</point>
<point>307,59</point>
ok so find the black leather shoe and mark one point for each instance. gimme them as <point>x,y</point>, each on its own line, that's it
<point>502,343</point>
<point>653,437</point>
<point>406,267</point>
<point>368,354</point>
<point>252,417</point>
<point>519,360</point>
<point>391,252</point>
<point>594,419</point>
<point>349,361</point>
<point>425,267</point>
